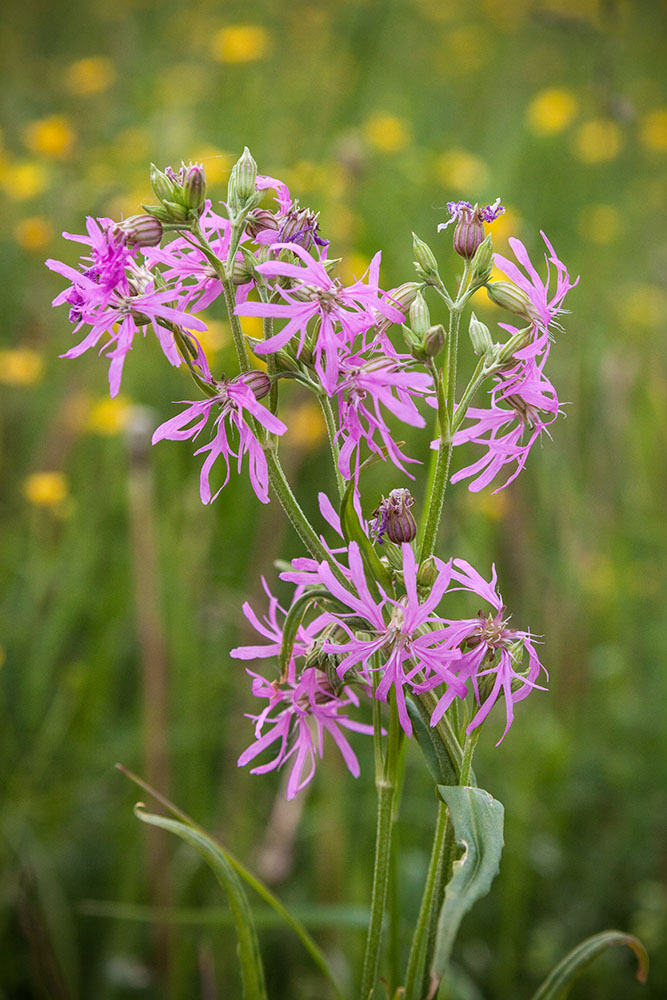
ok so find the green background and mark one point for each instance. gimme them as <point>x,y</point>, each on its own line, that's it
<point>377,114</point>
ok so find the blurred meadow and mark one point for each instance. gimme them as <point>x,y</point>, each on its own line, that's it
<point>121,593</point>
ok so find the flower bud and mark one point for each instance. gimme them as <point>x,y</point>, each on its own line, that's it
<point>259,382</point>
<point>480,335</point>
<point>394,519</point>
<point>139,231</point>
<point>260,220</point>
<point>194,188</point>
<point>434,340</point>
<point>242,272</point>
<point>163,188</point>
<point>425,262</point>
<point>469,232</point>
<point>509,296</point>
<point>242,183</point>
<point>403,296</point>
<point>482,262</point>
<point>286,361</point>
<point>420,318</point>
<point>427,573</point>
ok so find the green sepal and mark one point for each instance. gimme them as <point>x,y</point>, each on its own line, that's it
<point>477,819</point>
<point>558,983</point>
<point>354,532</point>
<point>250,959</point>
<point>293,620</point>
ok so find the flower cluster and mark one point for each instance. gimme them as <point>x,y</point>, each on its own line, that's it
<point>363,645</point>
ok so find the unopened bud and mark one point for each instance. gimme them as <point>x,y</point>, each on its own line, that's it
<point>480,336</point>
<point>394,519</point>
<point>242,183</point>
<point>286,361</point>
<point>425,262</point>
<point>259,382</point>
<point>175,211</point>
<point>469,232</point>
<point>434,340</point>
<point>482,262</point>
<point>194,188</point>
<point>427,573</point>
<point>163,188</point>
<point>509,296</point>
<point>420,318</point>
<point>139,231</point>
<point>258,221</point>
<point>403,296</point>
<point>242,271</point>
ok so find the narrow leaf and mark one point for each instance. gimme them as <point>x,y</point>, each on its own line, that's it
<point>435,754</point>
<point>559,982</point>
<point>293,620</point>
<point>250,959</point>
<point>477,819</point>
<point>353,531</point>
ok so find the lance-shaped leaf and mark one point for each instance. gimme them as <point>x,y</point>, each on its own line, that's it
<point>353,531</point>
<point>558,983</point>
<point>293,620</point>
<point>477,819</point>
<point>250,959</point>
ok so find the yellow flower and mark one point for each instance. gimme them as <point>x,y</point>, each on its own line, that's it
<point>306,425</point>
<point>216,163</point>
<point>641,306</point>
<point>215,337</point>
<point>25,180</point>
<point>51,136</point>
<point>90,76</point>
<point>462,171</point>
<point>551,111</point>
<point>493,506</point>
<point>352,267</point>
<point>387,133</point>
<point>599,224</point>
<point>653,130</point>
<point>598,140</point>
<point>33,233</point>
<point>253,327</point>
<point>21,366</point>
<point>240,43</point>
<point>46,489</point>
<point>109,416</point>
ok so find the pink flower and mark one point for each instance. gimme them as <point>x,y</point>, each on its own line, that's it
<point>343,313</point>
<point>116,298</point>
<point>544,309</point>
<point>364,388</point>
<point>297,714</point>
<point>491,654</point>
<point>237,403</point>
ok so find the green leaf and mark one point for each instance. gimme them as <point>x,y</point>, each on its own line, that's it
<point>250,959</point>
<point>293,620</point>
<point>353,531</point>
<point>477,819</point>
<point>435,755</point>
<point>558,983</point>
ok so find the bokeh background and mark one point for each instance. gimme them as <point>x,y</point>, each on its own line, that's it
<point>121,592</point>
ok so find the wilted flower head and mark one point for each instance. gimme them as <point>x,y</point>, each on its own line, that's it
<point>394,518</point>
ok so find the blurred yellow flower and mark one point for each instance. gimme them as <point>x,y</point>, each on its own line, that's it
<point>90,76</point>
<point>493,506</point>
<point>599,224</point>
<point>216,336</point>
<point>46,489</point>
<point>25,180</point>
<point>216,163</point>
<point>21,366</point>
<point>252,327</point>
<point>386,132</point>
<point>3,656</point>
<point>306,176</point>
<point>240,43</point>
<point>33,233</point>
<point>306,425</point>
<point>598,140</point>
<point>551,111</point>
<point>51,136</point>
<point>109,416</point>
<point>353,267</point>
<point>462,171</point>
<point>466,49</point>
<point>653,130</point>
<point>641,306</point>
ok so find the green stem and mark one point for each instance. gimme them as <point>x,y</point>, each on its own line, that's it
<point>330,420</point>
<point>385,783</point>
<point>416,960</point>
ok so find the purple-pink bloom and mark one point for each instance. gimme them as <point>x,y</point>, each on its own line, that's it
<point>116,297</point>
<point>296,716</point>
<point>343,312</point>
<point>491,654</point>
<point>365,386</point>
<point>237,402</point>
<point>544,309</point>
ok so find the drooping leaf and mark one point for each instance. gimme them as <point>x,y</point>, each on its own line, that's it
<point>558,983</point>
<point>435,755</point>
<point>250,959</point>
<point>477,819</point>
<point>293,620</point>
